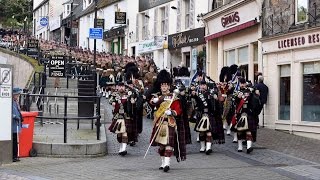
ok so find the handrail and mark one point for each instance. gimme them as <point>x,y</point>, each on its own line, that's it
<point>65,116</point>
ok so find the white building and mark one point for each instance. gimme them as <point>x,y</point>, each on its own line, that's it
<point>114,34</point>
<point>157,26</point>
<point>232,35</point>
<point>46,19</point>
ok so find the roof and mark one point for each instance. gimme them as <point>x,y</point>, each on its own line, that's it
<point>101,4</point>
<point>41,4</point>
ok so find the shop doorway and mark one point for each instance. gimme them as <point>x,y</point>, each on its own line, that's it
<point>187,59</point>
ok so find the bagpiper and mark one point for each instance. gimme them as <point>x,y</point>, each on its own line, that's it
<point>168,130</point>
<point>244,120</point>
<point>123,123</point>
<point>209,122</point>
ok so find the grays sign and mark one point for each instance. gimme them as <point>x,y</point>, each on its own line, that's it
<point>148,4</point>
<point>57,66</point>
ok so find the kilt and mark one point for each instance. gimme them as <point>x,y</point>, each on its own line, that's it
<point>252,127</point>
<point>171,136</point>
<point>129,123</point>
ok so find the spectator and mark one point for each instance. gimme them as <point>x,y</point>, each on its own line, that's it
<point>16,123</point>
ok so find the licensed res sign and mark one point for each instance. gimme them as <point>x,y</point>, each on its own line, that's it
<point>57,66</point>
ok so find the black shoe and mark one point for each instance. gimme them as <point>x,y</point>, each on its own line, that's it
<point>249,150</point>
<point>160,168</point>
<point>202,151</point>
<point>234,141</point>
<point>209,152</point>
<point>123,153</point>
<point>132,143</point>
<point>239,150</point>
<point>16,160</point>
<point>166,168</point>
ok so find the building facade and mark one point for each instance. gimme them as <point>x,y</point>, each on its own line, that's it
<point>47,19</point>
<point>157,24</point>
<point>114,34</point>
<point>291,65</point>
<point>232,36</point>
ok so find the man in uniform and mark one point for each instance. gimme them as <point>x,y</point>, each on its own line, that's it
<point>123,121</point>
<point>168,126</point>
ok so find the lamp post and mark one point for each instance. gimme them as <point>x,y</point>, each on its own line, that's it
<point>95,45</point>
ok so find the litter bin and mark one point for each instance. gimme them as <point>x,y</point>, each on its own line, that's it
<point>26,135</point>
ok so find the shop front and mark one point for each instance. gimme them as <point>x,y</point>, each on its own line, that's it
<point>187,48</point>
<point>292,72</point>
<point>152,48</point>
<point>115,40</point>
<point>232,38</point>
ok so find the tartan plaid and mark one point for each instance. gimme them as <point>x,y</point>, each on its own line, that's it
<point>217,130</point>
<point>182,134</point>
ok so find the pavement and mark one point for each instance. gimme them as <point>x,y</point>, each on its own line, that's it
<point>277,155</point>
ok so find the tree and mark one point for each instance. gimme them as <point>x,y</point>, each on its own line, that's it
<point>15,9</point>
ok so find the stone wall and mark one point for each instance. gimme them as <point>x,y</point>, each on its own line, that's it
<point>22,69</point>
<point>278,16</point>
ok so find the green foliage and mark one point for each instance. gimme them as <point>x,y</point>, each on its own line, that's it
<point>15,9</point>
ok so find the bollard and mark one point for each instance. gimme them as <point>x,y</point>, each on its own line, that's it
<point>98,124</point>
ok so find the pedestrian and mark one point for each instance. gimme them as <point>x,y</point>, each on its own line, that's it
<point>16,123</point>
<point>263,91</point>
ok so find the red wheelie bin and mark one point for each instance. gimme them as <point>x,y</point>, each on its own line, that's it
<point>26,135</point>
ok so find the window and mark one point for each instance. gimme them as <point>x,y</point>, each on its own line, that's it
<point>145,20</point>
<point>187,14</point>
<point>216,4</point>
<point>301,11</point>
<point>137,27</point>
<point>164,20</point>
<point>311,92</point>
<point>68,9</point>
<point>155,22</point>
<point>284,101</point>
<point>178,15</point>
<point>243,55</point>
<point>230,57</point>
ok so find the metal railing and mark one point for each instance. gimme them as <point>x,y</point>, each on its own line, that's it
<point>65,118</point>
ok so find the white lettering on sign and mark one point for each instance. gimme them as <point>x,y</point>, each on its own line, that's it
<point>57,62</point>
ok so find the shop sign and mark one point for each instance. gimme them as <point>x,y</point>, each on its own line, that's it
<point>230,19</point>
<point>99,23</point>
<point>120,18</point>
<point>148,4</point>
<point>151,45</point>
<point>112,33</point>
<point>187,38</point>
<point>299,41</point>
<point>57,66</point>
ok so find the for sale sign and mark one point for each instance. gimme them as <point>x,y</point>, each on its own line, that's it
<point>57,66</point>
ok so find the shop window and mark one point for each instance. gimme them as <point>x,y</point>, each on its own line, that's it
<point>243,55</point>
<point>311,92</point>
<point>301,11</point>
<point>284,98</point>
<point>244,71</point>
<point>230,57</point>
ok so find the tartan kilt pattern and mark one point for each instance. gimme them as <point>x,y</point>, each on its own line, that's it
<point>183,136</point>
<point>131,126</point>
<point>217,130</point>
<point>171,136</point>
<point>252,127</point>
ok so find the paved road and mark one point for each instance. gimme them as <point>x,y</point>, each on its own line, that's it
<point>278,157</point>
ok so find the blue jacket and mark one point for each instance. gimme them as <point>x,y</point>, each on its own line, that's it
<point>16,118</point>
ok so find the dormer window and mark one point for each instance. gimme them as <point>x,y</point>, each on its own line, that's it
<point>67,10</point>
<point>86,3</point>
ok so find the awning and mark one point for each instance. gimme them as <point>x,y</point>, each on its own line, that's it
<point>231,30</point>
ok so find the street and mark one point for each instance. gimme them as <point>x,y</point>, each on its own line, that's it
<point>224,163</point>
